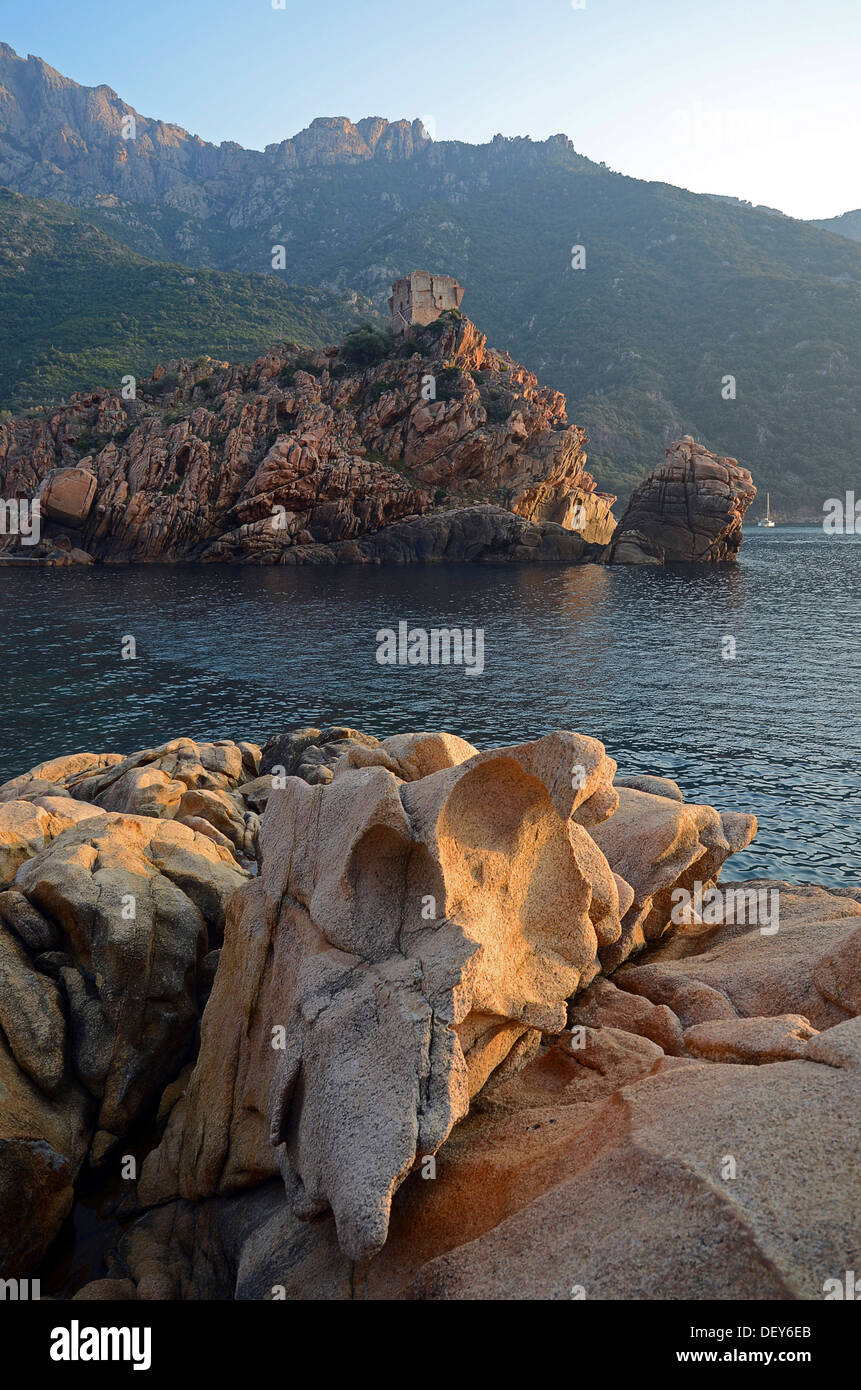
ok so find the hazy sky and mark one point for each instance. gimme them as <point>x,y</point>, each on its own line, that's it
<point>755,98</point>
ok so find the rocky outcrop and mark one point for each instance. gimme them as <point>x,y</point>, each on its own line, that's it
<point>406,909</point>
<point>413,1077</point>
<point>439,449</point>
<point>426,910</point>
<point>609,1166</point>
<point>659,844</point>
<point>690,509</point>
<point>106,924</point>
<point>62,140</point>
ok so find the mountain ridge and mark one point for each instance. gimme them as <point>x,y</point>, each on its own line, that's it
<point>682,294</point>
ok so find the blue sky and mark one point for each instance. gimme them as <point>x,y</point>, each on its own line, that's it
<point>755,98</point>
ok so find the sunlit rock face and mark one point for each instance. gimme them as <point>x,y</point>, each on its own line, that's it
<point>419,924</point>
<point>407,926</point>
<point>436,448</point>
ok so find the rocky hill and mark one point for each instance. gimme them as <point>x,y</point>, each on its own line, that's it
<point>435,446</point>
<point>679,291</point>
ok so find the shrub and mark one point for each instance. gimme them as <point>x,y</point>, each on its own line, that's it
<point>287,375</point>
<point>165,384</point>
<point>448,384</point>
<point>379,388</point>
<point>497,410</point>
<point>367,345</point>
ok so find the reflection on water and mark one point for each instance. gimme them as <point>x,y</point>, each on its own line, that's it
<point>632,657</point>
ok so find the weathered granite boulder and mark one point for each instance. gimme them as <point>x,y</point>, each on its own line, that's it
<point>44,1135</point>
<point>138,903</point>
<point>405,936</point>
<point>67,494</point>
<point>195,783</point>
<point>690,509</point>
<point>659,844</point>
<point>410,1037</point>
<point>419,923</point>
<point>810,966</point>
<point>102,945</point>
<point>605,1168</point>
<point>26,826</point>
<point>309,753</point>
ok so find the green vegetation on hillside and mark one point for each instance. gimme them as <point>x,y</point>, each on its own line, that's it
<point>79,310</point>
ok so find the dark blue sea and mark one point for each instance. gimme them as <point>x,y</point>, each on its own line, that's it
<point>635,658</point>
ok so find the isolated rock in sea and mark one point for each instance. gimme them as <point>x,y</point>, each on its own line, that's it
<point>689,509</point>
<point>405,936</point>
<point>437,448</point>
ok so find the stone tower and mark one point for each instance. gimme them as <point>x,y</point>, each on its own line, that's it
<point>421,297</point>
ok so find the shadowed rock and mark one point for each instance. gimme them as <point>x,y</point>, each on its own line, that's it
<point>690,509</point>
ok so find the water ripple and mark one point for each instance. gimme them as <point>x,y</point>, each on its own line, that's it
<point>634,658</point>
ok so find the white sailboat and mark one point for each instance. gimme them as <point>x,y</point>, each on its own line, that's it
<point>767,521</point>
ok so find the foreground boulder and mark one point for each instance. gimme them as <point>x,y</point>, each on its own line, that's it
<point>419,917</point>
<point>106,925</point>
<point>66,496</point>
<point>139,903</point>
<point>420,920</point>
<point>413,1076</point>
<point>610,1165</point>
<point>659,843</point>
<point>690,509</point>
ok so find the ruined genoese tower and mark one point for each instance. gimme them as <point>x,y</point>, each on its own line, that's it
<point>420,298</point>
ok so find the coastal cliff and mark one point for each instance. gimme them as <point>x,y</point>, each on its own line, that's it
<point>436,446</point>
